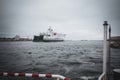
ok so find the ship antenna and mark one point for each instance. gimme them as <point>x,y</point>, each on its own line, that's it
<point>50,29</point>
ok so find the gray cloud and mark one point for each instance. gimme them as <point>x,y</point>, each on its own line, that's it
<point>79,19</point>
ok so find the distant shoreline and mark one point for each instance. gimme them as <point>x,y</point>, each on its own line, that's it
<point>14,39</point>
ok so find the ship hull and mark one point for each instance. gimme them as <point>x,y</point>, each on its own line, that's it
<point>42,39</point>
<point>38,38</point>
<point>53,40</point>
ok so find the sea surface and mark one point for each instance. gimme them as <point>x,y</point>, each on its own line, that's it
<point>78,60</point>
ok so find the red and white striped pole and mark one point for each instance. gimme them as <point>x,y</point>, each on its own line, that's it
<point>33,75</point>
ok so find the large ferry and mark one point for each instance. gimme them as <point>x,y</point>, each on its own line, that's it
<point>49,36</point>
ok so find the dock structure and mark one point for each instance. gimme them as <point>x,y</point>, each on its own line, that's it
<point>109,42</point>
<point>115,42</point>
<point>115,38</point>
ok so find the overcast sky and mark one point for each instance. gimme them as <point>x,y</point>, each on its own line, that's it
<point>79,19</point>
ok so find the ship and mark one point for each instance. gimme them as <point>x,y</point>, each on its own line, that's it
<point>49,36</point>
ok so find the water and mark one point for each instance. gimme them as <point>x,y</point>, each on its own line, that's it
<point>78,60</point>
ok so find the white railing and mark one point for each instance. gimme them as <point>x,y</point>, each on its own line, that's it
<point>58,77</point>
